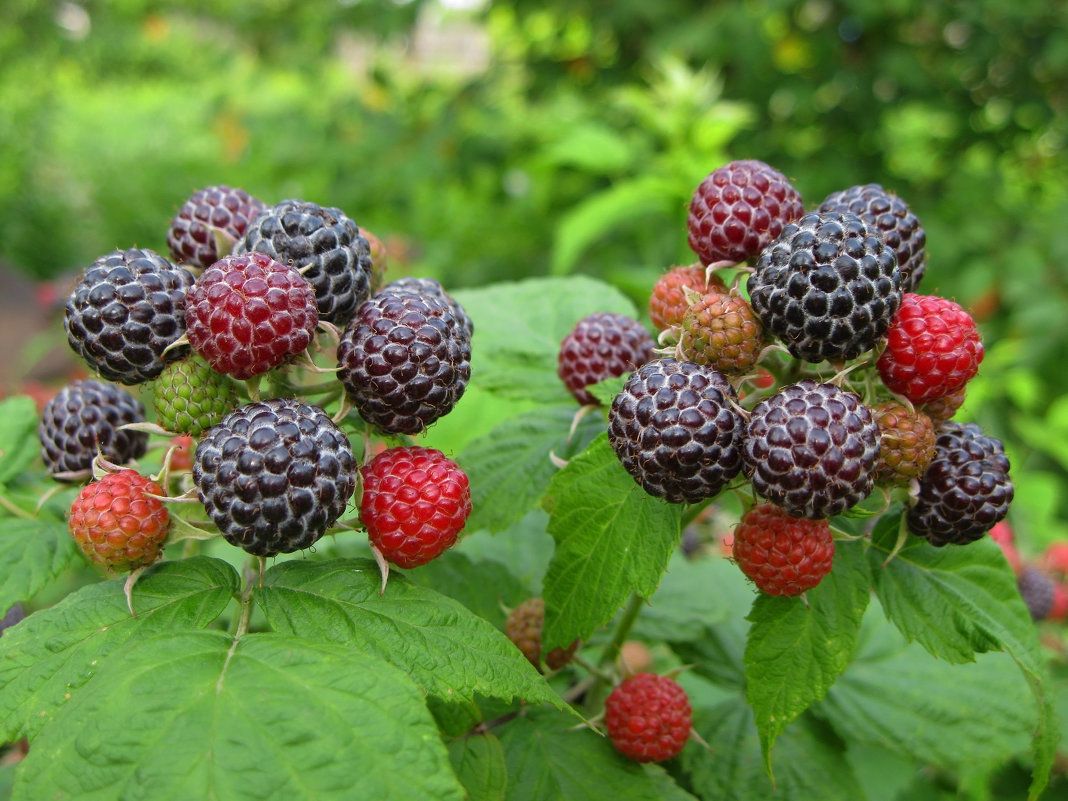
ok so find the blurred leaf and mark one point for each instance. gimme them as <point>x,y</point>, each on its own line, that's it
<point>18,436</point>
<point>483,586</point>
<point>590,147</point>
<point>479,764</point>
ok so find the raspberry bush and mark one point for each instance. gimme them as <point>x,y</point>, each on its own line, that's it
<point>383,539</point>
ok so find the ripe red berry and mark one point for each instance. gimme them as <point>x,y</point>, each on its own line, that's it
<point>738,209</point>
<point>1059,611</point>
<point>116,525</point>
<point>1055,558</point>
<point>248,314</point>
<point>668,303</point>
<point>781,554</point>
<point>932,349</point>
<point>648,718</point>
<point>182,458</point>
<point>415,503</point>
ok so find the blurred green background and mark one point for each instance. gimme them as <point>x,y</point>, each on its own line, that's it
<point>486,141</point>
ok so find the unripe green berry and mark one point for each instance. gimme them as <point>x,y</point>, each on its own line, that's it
<point>191,397</point>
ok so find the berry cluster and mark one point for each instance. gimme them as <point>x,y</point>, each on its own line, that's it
<point>814,380</point>
<point>255,292</point>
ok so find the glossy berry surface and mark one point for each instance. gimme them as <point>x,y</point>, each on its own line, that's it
<point>966,489</point>
<point>891,217</point>
<point>324,245</point>
<point>405,361</point>
<point>415,503</point>
<point>85,417</point>
<point>116,524</point>
<point>249,314</point>
<point>274,475</point>
<point>811,449</point>
<point>428,286</point>
<point>524,626</point>
<point>942,409</point>
<point>675,431</point>
<point>128,308</point>
<point>782,554</point>
<point>648,718</point>
<point>738,209</point>
<point>213,216</point>
<point>828,287</point>
<point>668,302</point>
<point>601,346</point>
<point>932,349</point>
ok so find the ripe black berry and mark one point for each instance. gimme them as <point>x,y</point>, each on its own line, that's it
<point>275,475</point>
<point>405,361</point>
<point>85,417</point>
<point>811,449</point>
<point>324,245</point>
<point>828,287</point>
<point>128,307</point>
<point>965,490</point>
<point>428,286</point>
<point>675,431</point>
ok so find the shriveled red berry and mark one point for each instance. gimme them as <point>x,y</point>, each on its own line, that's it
<point>933,349</point>
<point>668,302</point>
<point>781,554</point>
<point>415,503</point>
<point>249,314</point>
<point>524,626</point>
<point>116,524</point>
<point>648,718</point>
<point>738,209</point>
<point>601,346</point>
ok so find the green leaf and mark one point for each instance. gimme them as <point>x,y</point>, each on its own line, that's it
<point>18,436</point>
<point>48,657</point>
<point>519,327</point>
<point>510,468</point>
<point>591,147</point>
<point>485,587</point>
<point>525,548</point>
<point>197,715</point>
<point>479,764</point>
<point>548,760</point>
<point>666,787</point>
<point>612,539</point>
<point>958,601</point>
<point>810,766</point>
<point>625,202</point>
<point>448,651</point>
<point>689,602</point>
<point>32,553</point>
<point>605,391</point>
<point>796,650</point>
<point>898,698</point>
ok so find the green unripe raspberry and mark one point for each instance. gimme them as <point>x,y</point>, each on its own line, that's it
<point>191,397</point>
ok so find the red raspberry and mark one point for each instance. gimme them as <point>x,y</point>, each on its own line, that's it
<point>182,458</point>
<point>781,554</point>
<point>738,209</point>
<point>415,502</point>
<point>648,718</point>
<point>116,525</point>
<point>1002,534</point>
<point>668,303</point>
<point>932,349</point>
<point>601,346</point>
<point>1060,603</point>
<point>248,314</point>
<point>1055,558</point>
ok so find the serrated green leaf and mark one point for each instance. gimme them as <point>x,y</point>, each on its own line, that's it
<point>485,587</point>
<point>18,436</point>
<point>32,553</point>
<point>479,764</point>
<point>958,601</point>
<point>605,391</point>
<point>549,760</point>
<point>796,650</point>
<point>510,469</point>
<point>519,327</point>
<point>898,698</point>
<point>47,658</point>
<point>809,766</point>
<point>197,715</point>
<point>689,601</point>
<point>449,652</point>
<point>612,539</point>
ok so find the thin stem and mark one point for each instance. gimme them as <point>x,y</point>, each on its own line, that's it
<point>630,614</point>
<point>15,510</point>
